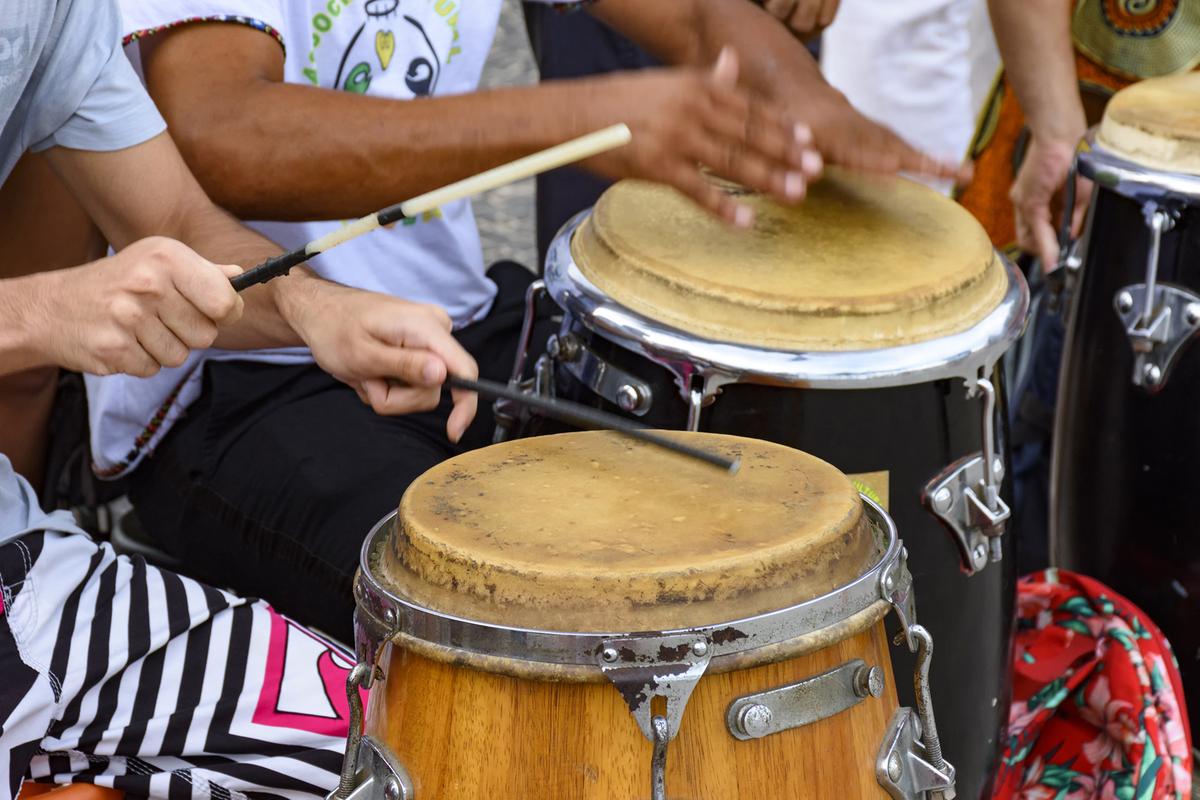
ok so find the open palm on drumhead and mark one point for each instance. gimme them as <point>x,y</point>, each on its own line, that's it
<point>683,117</point>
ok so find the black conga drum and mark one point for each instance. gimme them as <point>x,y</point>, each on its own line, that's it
<point>1126,464</point>
<point>864,327</point>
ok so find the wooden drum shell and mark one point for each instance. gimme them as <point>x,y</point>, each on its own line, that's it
<point>469,734</point>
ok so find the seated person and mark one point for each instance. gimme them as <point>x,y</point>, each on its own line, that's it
<point>118,673</point>
<point>299,112</point>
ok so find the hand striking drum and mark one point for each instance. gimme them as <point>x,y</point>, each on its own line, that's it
<point>584,616</point>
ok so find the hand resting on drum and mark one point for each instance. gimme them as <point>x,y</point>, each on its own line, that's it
<point>394,353</point>
<point>685,116</point>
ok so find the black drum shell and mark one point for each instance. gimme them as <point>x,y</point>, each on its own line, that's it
<point>1126,468</point>
<point>913,432</point>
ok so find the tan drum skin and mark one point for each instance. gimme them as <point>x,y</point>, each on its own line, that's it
<point>785,529</point>
<point>1156,123</point>
<point>865,262</point>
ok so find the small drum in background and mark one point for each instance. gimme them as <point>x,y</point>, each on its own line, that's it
<point>1126,462</point>
<point>863,326</point>
<point>587,616</point>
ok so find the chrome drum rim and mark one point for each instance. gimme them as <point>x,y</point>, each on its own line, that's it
<point>960,355</point>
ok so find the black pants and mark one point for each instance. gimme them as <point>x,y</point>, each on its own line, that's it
<point>273,478</point>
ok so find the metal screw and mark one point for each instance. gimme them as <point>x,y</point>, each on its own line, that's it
<point>1191,313</point>
<point>1124,301</point>
<point>700,648</point>
<point>997,549</point>
<point>391,790</point>
<point>389,617</point>
<point>754,720</point>
<point>868,681</point>
<point>894,767</point>
<point>942,499</point>
<point>609,654</point>
<point>629,398</point>
<point>889,583</point>
<point>979,555</point>
<point>998,468</point>
<point>563,348</point>
<point>1151,374</point>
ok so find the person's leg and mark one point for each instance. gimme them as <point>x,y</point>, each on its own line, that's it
<point>42,228</point>
<point>139,679</point>
<point>271,482</point>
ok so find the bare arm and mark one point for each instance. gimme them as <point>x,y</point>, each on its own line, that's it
<point>127,206</point>
<point>1034,37</point>
<point>776,66</point>
<point>266,149</point>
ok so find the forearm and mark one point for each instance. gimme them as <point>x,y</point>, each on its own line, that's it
<point>220,238</point>
<point>694,31</point>
<point>347,155</point>
<point>1034,37</point>
<point>23,302</point>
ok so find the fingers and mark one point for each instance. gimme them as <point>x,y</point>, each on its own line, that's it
<point>803,19</point>
<point>206,285</point>
<point>1083,200</point>
<point>828,12</point>
<point>688,180</point>
<point>465,406</point>
<point>184,320</point>
<point>725,71</point>
<point>780,9</point>
<point>161,344</point>
<point>390,398</point>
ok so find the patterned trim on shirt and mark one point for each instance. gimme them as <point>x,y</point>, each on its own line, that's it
<point>257,24</point>
<point>144,438</point>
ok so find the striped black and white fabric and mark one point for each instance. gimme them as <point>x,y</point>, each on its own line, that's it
<point>133,677</point>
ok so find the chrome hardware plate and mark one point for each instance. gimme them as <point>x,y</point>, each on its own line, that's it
<point>1157,344</point>
<point>645,667</point>
<point>954,498</point>
<point>754,716</point>
<point>902,768</point>
<point>614,384</point>
<point>379,776</point>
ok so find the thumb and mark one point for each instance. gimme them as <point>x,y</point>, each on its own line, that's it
<point>725,72</point>
<point>230,270</point>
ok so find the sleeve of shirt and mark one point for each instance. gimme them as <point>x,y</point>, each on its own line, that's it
<point>113,114</point>
<point>144,18</point>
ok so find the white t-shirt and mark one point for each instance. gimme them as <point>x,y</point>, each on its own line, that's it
<point>400,49</point>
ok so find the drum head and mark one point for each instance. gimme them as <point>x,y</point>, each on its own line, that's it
<point>594,531</point>
<point>863,263</point>
<point>1156,123</point>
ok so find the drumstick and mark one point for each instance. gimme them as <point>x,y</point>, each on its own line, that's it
<point>567,411</point>
<point>550,158</point>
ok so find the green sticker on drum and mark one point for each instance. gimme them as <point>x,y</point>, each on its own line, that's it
<point>873,484</point>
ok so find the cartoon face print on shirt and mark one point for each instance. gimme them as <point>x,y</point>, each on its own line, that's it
<point>400,48</point>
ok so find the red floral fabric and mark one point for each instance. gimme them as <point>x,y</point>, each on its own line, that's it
<point>1097,708</point>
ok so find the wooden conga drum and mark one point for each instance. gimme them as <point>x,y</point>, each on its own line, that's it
<point>586,616</point>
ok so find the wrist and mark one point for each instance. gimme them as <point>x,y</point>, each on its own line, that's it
<point>25,320</point>
<point>294,295</point>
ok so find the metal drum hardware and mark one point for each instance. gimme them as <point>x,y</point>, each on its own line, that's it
<point>625,391</point>
<point>754,716</point>
<point>376,774</point>
<point>1159,320</point>
<point>966,495</point>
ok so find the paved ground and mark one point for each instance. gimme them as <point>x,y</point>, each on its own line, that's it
<point>505,215</point>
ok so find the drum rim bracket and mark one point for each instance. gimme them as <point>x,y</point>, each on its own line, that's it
<point>378,775</point>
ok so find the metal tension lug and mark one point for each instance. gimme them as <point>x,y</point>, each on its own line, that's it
<point>956,496</point>
<point>754,716</point>
<point>1156,340</point>
<point>379,776</point>
<point>625,391</point>
<point>903,768</point>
